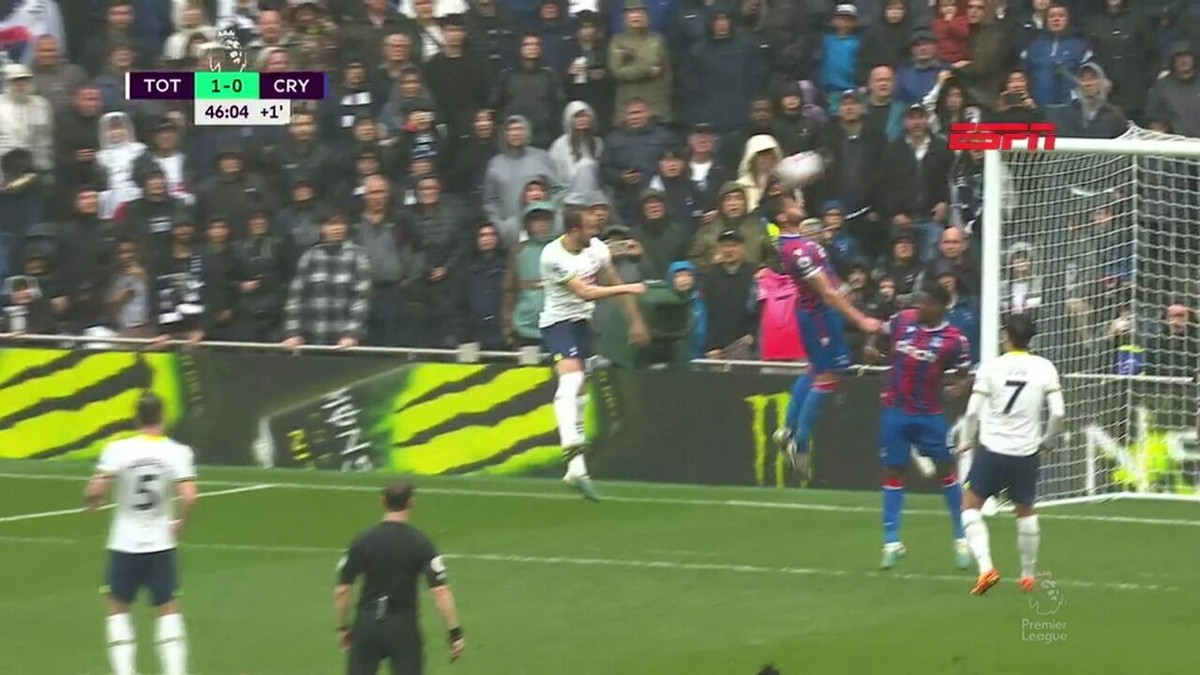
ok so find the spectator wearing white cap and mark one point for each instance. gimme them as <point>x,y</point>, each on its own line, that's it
<point>26,120</point>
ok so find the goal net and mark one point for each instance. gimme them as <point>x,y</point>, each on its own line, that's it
<point>1099,240</point>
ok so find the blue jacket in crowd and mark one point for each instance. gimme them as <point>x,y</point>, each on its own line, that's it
<point>1051,62</point>
<point>699,337</point>
<point>914,82</point>
<point>839,63</point>
<point>964,315</point>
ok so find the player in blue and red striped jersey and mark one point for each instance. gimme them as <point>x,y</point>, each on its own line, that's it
<point>820,308</point>
<point>923,347</point>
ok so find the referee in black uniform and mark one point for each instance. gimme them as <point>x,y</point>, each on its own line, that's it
<point>392,556</point>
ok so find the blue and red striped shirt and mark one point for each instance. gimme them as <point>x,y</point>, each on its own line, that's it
<point>804,259</point>
<point>920,355</point>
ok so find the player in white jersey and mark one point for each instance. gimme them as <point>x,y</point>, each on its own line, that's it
<point>573,267</point>
<point>146,471</point>
<point>1008,397</point>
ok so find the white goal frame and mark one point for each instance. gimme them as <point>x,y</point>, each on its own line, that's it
<point>992,262</point>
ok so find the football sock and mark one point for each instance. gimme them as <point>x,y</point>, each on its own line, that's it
<point>566,411</point>
<point>1029,536</point>
<point>800,391</point>
<point>952,493</point>
<point>577,467</point>
<point>581,402</point>
<point>172,644</point>
<point>893,504</point>
<point>809,412</point>
<point>977,538</point>
<point>122,650</point>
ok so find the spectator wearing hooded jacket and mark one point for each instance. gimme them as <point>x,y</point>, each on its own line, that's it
<point>532,91</point>
<point>1174,102</point>
<point>576,153</point>
<point>640,63</point>
<point>1125,48</point>
<point>259,278</point>
<point>724,75</point>
<point>886,42</point>
<point>795,129</point>
<point>1052,59</point>
<point>486,269</point>
<point>733,214</point>
<point>685,204</point>
<point>508,173</point>
<point>233,192</point>
<point>149,219</point>
<point>523,292</point>
<point>26,119</point>
<point>681,274</point>
<point>663,237</point>
<point>758,164</point>
<point>839,52</point>
<point>457,78</point>
<point>436,225</point>
<point>1090,114</point>
<point>962,312</point>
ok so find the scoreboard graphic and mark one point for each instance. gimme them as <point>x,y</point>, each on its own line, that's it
<point>227,98</point>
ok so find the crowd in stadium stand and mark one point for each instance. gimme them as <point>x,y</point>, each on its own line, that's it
<point>410,206</point>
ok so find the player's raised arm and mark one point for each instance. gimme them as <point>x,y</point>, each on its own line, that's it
<point>638,333</point>
<point>592,292</point>
<point>833,297</point>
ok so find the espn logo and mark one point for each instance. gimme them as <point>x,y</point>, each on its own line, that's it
<point>1001,135</point>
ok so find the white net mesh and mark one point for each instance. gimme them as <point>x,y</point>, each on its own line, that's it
<point>1102,249</point>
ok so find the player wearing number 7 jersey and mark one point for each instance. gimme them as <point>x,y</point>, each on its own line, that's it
<point>1009,394</point>
<point>145,471</point>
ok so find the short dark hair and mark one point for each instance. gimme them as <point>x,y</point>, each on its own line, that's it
<point>572,218</point>
<point>397,494</point>
<point>149,409</point>
<point>935,292</point>
<point>1020,330</point>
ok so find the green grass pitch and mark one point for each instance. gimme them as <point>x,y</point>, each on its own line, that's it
<point>656,580</point>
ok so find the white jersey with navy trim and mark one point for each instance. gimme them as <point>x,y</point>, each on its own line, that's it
<point>1015,387</point>
<point>558,267</point>
<point>144,470</point>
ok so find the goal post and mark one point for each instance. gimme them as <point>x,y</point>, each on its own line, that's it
<point>1099,239</point>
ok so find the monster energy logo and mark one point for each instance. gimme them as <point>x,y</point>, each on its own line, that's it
<point>67,404</point>
<point>768,413</point>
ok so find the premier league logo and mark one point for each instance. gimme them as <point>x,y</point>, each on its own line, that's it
<point>229,50</point>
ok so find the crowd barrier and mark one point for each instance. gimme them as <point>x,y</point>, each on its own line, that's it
<point>407,412</point>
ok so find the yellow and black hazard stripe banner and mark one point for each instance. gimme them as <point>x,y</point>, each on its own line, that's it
<point>67,404</point>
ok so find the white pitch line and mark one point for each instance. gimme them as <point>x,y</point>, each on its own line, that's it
<point>672,565</point>
<point>84,509</point>
<point>676,501</point>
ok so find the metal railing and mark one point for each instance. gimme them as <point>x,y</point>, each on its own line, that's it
<point>470,353</point>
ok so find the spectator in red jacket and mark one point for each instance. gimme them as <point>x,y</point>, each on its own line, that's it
<point>951,30</point>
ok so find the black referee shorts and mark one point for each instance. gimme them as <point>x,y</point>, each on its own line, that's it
<point>396,639</point>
